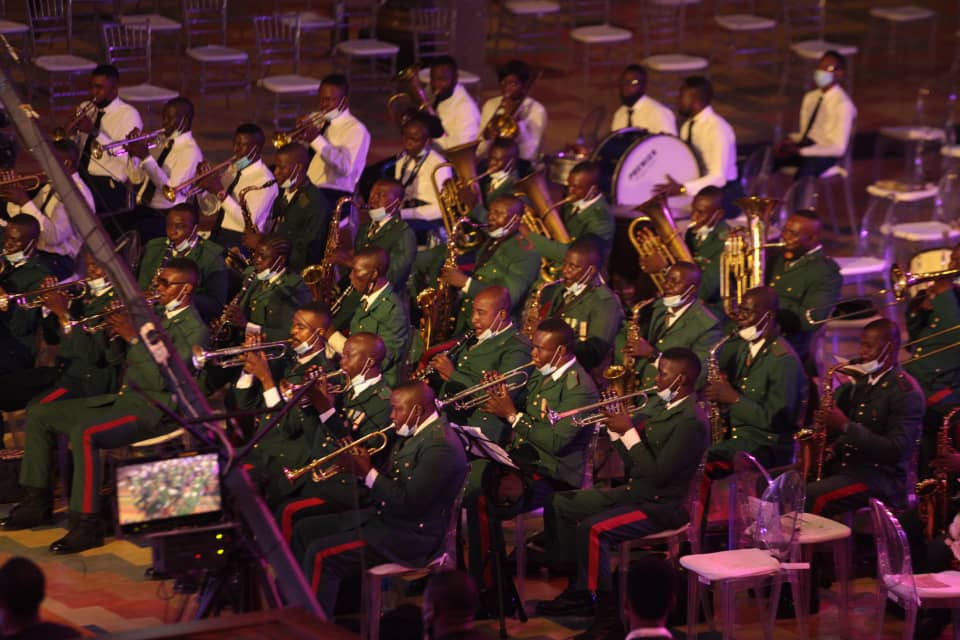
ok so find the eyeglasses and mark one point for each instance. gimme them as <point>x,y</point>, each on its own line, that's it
<point>163,282</point>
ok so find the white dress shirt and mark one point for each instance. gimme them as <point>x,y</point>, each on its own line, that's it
<point>57,234</point>
<point>341,154</point>
<point>119,119</point>
<point>647,114</point>
<point>420,187</point>
<point>179,166</point>
<point>714,141</point>
<point>259,201</point>
<point>531,123</point>
<point>460,118</point>
<point>830,131</point>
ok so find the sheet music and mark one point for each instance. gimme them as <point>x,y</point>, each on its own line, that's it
<point>478,444</point>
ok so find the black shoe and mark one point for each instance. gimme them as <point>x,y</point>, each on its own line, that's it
<point>606,623</point>
<point>85,534</point>
<point>568,603</point>
<point>931,623</point>
<point>34,510</point>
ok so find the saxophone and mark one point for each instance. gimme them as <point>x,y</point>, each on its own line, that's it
<point>812,441</point>
<point>932,492</point>
<point>437,304</point>
<point>167,254</point>
<point>235,257</point>
<point>220,327</point>
<point>531,317</point>
<point>623,377</point>
<point>322,278</point>
<point>718,426</point>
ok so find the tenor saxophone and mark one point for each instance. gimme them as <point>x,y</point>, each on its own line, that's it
<point>623,377</point>
<point>322,278</point>
<point>932,492</point>
<point>531,317</point>
<point>220,327</point>
<point>812,440</point>
<point>718,426</point>
<point>437,304</point>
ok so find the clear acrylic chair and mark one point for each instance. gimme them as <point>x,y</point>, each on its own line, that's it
<point>60,72</point>
<point>765,536</point>
<point>804,29</point>
<point>529,25</point>
<point>909,27</point>
<point>278,46</point>
<point>662,28</point>
<point>744,38</point>
<point>128,47</point>
<point>206,27</point>
<point>369,63</point>
<point>313,23</point>
<point>909,237</point>
<point>897,582</point>
<point>616,41</point>
<point>160,24</point>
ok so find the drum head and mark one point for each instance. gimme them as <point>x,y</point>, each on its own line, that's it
<point>608,153</point>
<point>648,162</point>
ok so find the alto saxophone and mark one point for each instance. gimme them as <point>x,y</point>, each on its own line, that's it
<point>220,327</point>
<point>932,492</point>
<point>812,441</point>
<point>235,257</point>
<point>437,304</point>
<point>531,317</point>
<point>623,377</point>
<point>718,426</point>
<point>322,278</point>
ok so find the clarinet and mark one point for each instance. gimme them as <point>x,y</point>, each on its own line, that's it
<point>167,254</point>
<point>429,370</point>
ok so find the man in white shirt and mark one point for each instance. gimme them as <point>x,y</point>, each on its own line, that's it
<point>638,110</point>
<point>530,115</point>
<point>112,120</point>
<point>247,184</point>
<point>714,142</point>
<point>340,140</point>
<point>415,170</point>
<point>59,242</point>
<point>826,121</point>
<point>455,107</point>
<point>171,162</point>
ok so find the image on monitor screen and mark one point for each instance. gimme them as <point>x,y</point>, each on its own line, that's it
<point>165,489</point>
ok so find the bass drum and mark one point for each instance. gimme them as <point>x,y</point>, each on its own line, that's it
<point>632,162</point>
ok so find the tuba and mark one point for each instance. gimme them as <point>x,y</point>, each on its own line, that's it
<point>742,261</point>
<point>462,160</point>
<point>322,278</point>
<point>411,91</point>
<point>544,217</point>
<point>655,233</point>
<point>931,493</point>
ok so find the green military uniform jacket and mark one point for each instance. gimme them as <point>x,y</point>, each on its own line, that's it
<point>696,329</point>
<point>305,219</point>
<point>811,280</point>
<point>555,451</point>
<point>397,238</point>
<point>387,318</point>
<point>211,292</point>
<point>272,303</point>
<point>706,253</point>
<point>18,325</point>
<point>488,194</point>
<point>938,375</point>
<point>595,317</point>
<point>596,220</point>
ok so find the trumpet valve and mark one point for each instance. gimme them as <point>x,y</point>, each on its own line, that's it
<point>96,150</point>
<point>169,193</point>
<point>199,358</point>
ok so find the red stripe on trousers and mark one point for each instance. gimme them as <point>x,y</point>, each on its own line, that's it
<point>484,540</point>
<point>291,509</point>
<point>593,546</point>
<point>326,553</point>
<point>53,395</point>
<point>88,433</point>
<point>837,494</point>
<point>938,396</point>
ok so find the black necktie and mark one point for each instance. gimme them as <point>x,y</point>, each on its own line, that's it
<point>630,117</point>
<point>151,188</point>
<point>233,184</point>
<point>813,117</point>
<point>689,138</point>
<point>324,127</point>
<point>85,156</point>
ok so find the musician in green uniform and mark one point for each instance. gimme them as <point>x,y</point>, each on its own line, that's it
<point>678,319</point>
<point>762,388</point>
<point>182,241</point>
<point>581,525</point>
<point>380,311</point>
<point>22,271</point>
<point>496,346</point>
<point>584,301</point>
<point>106,421</point>
<point>501,178</point>
<point>588,214</point>
<point>301,211</point>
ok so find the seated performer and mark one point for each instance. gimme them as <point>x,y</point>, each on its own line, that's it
<point>678,319</point>
<point>496,346</point>
<point>169,164</point>
<point>714,141</point>
<point>301,211</point>
<point>872,429</point>
<point>340,140</point>
<point>380,312</point>
<point>245,191</point>
<point>58,243</point>
<point>660,463</point>
<point>803,278</point>
<point>106,421</point>
<point>455,107</point>
<point>363,407</point>
<point>584,301</point>
<point>705,238</point>
<point>415,170</point>
<point>761,390</point>
<point>183,241</point>
<point>503,168</point>
<point>111,120</point>
<point>588,214</point>
<point>826,120</point>
<point>22,271</point>
<point>550,456</point>
<point>638,110</point>
<point>415,498</point>
<point>515,102</point>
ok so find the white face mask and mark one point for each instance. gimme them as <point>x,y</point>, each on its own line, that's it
<point>550,367</point>
<point>264,275</point>
<point>307,345</point>
<point>98,284</point>
<point>334,113</point>
<point>822,78</point>
<point>491,330</point>
<point>289,182</point>
<point>243,163</point>
<point>378,214</point>
<point>499,176</point>
<point>672,302</point>
<point>405,430</point>
<point>17,257</point>
<point>184,244</point>
<point>871,367</point>
<point>750,333</point>
<point>577,288</point>
<point>174,304</point>
<point>667,395</point>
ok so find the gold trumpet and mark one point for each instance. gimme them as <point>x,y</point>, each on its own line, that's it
<point>283,138</point>
<point>86,109</point>
<point>32,180</point>
<point>311,377</point>
<point>608,400</point>
<point>231,356</point>
<point>170,193</point>
<point>116,148</point>
<point>97,322</point>
<point>476,396</point>
<point>333,469</point>
<point>74,290</point>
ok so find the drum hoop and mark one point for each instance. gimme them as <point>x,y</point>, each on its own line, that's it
<point>615,180</point>
<point>614,134</point>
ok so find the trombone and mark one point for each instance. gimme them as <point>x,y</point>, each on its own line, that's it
<point>231,356</point>
<point>333,469</point>
<point>32,180</point>
<point>900,282</point>
<point>607,400</point>
<point>74,290</point>
<point>283,138</point>
<point>191,185</point>
<point>476,396</point>
<point>117,147</point>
